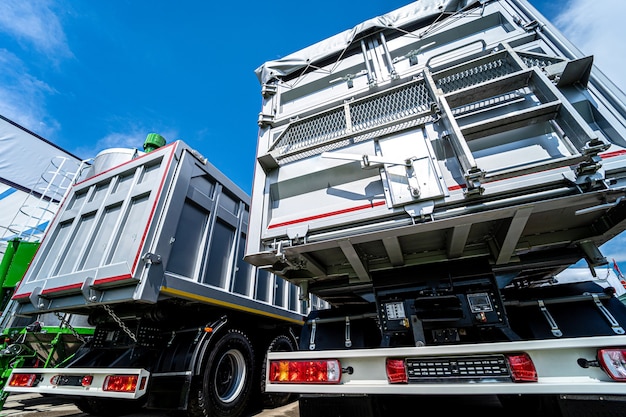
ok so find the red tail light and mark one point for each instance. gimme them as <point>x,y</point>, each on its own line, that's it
<point>522,368</point>
<point>305,372</point>
<point>22,380</point>
<point>120,383</point>
<point>613,361</point>
<point>396,371</point>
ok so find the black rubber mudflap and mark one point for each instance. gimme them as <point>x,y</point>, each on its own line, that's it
<point>593,408</point>
<point>317,406</point>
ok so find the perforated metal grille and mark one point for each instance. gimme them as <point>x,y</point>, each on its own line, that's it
<point>538,61</point>
<point>474,75</point>
<point>322,128</point>
<point>393,105</point>
<point>491,102</point>
<point>384,113</point>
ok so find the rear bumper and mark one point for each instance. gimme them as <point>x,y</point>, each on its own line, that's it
<point>67,381</point>
<point>556,362</point>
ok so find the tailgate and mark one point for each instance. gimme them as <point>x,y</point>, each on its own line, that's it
<point>98,238</point>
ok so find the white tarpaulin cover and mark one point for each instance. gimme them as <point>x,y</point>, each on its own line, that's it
<point>30,167</point>
<point>416,11</point>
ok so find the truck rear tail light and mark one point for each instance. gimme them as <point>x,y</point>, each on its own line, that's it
<point>86,380</point>
<point>613,361</point>
<point>522,368</point>
<point>396,371</point>
<point>305,372</point>
<point>120,383</point>
<point>22,380</point>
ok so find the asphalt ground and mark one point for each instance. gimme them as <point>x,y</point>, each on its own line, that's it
<point>18,405</point>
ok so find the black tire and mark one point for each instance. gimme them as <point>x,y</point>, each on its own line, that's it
<point>108,407</point>
<point>280,343</point>
<point>225,388</point>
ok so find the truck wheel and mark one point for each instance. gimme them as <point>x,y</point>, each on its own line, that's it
<point>280,343</point>
<point>227,382</point>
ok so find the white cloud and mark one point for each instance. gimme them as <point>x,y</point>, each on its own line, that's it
<point>37,31</point>
<point>21,95</point>
<point>36,25</point>
<point>597,28</point>
<point>614,249</point>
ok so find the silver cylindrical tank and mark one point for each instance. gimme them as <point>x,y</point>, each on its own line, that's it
<point>110,158</point>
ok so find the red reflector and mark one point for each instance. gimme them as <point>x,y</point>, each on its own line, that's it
<point>22,380</point>
<point>86,380</point>
<point>613,361</point>
<point>522,368</point>
<point>396,371</point>
<point>120,383</point>
<point>305,372</point>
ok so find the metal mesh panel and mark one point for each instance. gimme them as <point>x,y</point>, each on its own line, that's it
<point>372,117</point>
<point>390,111</point>
<point>491,102</point>
<point>538,61</point>
<point>393,105</point>
<point>320,129</point>
<point>478,74</point>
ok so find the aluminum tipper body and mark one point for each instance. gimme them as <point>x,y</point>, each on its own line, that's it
<point>432,173</point>
<point>149,246</point>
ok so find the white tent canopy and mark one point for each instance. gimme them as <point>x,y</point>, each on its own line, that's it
<point>34,174</point>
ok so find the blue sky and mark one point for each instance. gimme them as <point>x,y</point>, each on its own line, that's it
<point>90,75</point>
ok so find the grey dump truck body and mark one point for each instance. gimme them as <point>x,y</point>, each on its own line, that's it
<point>149,247</point>
<point>429,173</point>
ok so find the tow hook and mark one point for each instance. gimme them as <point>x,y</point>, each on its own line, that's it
<point>584,363</point>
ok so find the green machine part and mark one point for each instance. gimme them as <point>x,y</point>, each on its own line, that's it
<point>17,257</point>
<point>9,253</point>
<point>32,345</point>
<point>15,261</point>
<point>36,346</point>
<point>153,141</point>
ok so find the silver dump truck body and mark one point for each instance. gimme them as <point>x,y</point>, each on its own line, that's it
<point>149,246</point>
<point>144,227</point>
<point>429,173</point>
<point>434,133</point>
